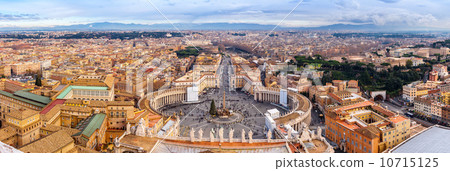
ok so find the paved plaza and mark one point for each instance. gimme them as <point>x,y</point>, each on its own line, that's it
<point>196,115</point>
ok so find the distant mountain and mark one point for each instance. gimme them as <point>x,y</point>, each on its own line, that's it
<point>107,26</point>
<point>371,27</point>
<point>347,27</point>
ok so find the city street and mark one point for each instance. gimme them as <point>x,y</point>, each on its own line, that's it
<point>393,107</point>
<point>316,120</point>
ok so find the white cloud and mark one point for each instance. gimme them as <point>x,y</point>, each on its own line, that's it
<point>347,4</point>
<point>309,13</point>
<point>387,16</point>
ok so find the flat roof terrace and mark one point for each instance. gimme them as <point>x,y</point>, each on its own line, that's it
<point>70,88</point>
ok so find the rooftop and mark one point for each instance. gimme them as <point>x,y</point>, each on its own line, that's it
<point>66,91</point>
<point>4,93</point>
<point>94,123</point>
<point>54,128</point>
<point>6,133</point>
<point>49,144</point>
<point>22,114</point>
<point>435,139</point>
<point>145,142</point>
<point>31,96</point>
<point>397,119</point>
<point>51,105</point>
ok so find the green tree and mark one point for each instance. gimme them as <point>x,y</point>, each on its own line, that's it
<point>337,75</point>
<point>393,84</point>
<point>212,108</point>
<point>385,64</point>
<point>327,78</point>
<point>38,81</point>
<point>365,78</point>
<point>409,64</point>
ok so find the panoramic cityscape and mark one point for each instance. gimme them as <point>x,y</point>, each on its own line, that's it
<point>225,77</point>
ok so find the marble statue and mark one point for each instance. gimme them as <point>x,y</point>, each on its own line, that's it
<point>319,132</point>
<point>200,134</point>
<point>289,134</point>
<point>128,128</point>
<point>269,135</point>
<point>304,126</point>
<point>133,130</point>
<point>211,136</point>
<point>305,135</point>
<point>221,134</point>
<point>140,128</point>
<point>116,142</point>
<point>192,132</point>
<point>250,136</point>
<point>230,134</point>
<point>243,135</point>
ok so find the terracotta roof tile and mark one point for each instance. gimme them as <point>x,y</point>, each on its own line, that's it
<point>49,144</point>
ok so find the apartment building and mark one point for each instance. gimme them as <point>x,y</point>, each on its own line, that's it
<point>365,127</point>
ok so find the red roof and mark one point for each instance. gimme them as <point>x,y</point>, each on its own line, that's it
<point>348,126</point>
<point>383,111</point>
<point>397,119</point>
<point>51,105</point>
<point>356,105</point>
<point>334,96</point>
<point>433,91</point>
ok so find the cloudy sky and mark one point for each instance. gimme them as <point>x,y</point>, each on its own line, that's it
<point>408,13</point>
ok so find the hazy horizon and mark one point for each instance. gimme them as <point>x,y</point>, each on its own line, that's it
<point>309,13</point>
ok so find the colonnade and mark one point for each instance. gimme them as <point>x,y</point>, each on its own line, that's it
<point>170,99</point>
<point>267,96</point>
<point>300,106</point>
<point>167,97</point>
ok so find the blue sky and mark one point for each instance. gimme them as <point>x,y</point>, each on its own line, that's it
<point>407,13</point>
